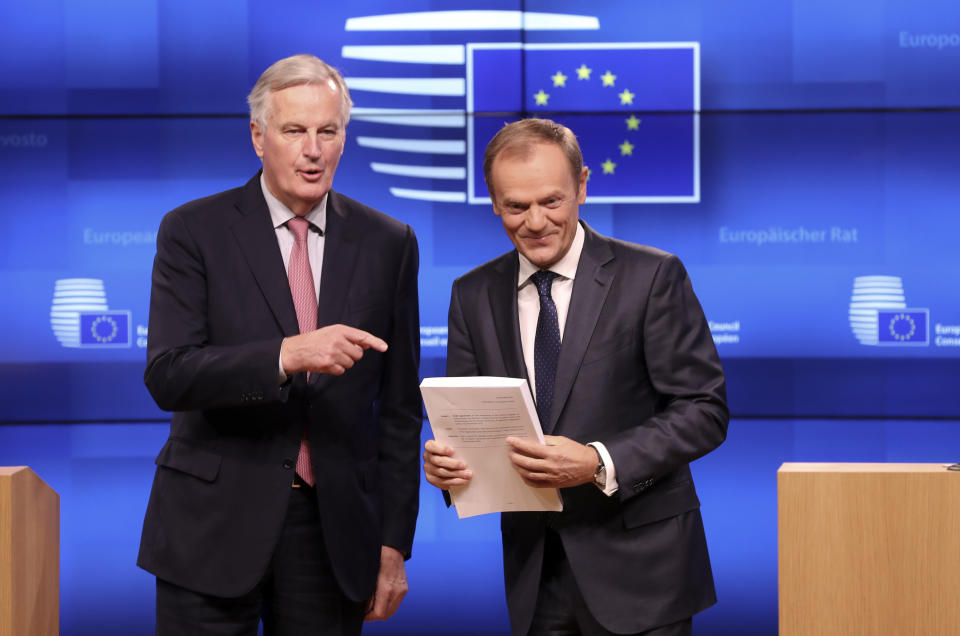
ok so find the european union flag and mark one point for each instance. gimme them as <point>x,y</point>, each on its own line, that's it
<point>903,327</point>
<point>105,329</point>
<point>633,106</point>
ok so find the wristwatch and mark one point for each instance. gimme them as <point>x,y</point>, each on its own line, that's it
<point>600,476</point>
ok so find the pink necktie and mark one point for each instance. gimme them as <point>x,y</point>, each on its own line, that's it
<point>305,301</point>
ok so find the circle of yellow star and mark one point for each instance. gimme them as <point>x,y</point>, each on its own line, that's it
<point>559,79</point>
<point>608,166</point>
<point>541,98</point>
<point>626,97</point>
<point>583,72</point>
<point>626,148</point>
<point>608,78</point>
<point>633,123</point>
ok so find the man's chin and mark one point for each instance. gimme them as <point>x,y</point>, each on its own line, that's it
<point>312,192</point>
<point>542,258</point>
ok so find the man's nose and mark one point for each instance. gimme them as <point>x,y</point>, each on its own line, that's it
<point>311,145</point>
<point>535,219</point>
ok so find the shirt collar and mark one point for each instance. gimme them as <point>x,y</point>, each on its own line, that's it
<point>280,214</point>
<point>566,266</point>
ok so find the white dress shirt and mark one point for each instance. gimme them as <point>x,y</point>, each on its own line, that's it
<point>317,217</point>
<point>528,309</point>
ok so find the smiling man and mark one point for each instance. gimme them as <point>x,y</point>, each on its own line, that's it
<point>628,388</point>
<point>284,335</point>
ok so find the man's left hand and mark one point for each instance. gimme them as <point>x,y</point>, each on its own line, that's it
<point>391,586</point>
<point>560,463</point>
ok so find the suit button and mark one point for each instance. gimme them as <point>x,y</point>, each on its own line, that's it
<point>288,464</point>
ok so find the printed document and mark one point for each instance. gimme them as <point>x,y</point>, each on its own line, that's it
<point>474,416</point>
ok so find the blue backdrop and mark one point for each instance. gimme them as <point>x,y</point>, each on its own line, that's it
<point>800,157</point>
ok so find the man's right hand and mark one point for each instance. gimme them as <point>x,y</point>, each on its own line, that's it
<point>440,467</point>
<point>332,350</point>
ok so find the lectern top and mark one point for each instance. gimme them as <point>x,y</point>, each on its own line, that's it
<point>860,467</point>
<point>10,470</point>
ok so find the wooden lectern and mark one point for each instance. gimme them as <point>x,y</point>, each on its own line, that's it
<point>869,549</point>
<point>29,554</point>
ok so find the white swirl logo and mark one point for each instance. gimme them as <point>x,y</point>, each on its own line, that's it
<point>81,317</point>
<point>879,314</point>
<point>70,297</point>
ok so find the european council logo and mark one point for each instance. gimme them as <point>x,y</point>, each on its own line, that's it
<point>633,105</point>
<point>80,316</point>
<point>879,315</point>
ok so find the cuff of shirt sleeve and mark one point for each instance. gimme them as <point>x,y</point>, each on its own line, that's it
<point>283,376</point>
<point>612,485</point>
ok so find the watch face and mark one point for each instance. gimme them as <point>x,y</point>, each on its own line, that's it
<point>600,477</point>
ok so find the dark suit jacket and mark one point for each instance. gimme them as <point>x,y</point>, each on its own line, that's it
<point>220,305</point>
<point>638,371</point>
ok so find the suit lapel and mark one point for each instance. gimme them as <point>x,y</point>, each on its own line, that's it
<point>258,241</point>
<point>503,306</point>
<point>590,288</point>
<point>341,250</point>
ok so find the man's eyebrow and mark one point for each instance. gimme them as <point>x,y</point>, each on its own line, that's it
<point>323,126</point>
<point>556,194</point>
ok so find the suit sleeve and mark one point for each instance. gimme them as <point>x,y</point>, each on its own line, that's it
<point>400,410</point>
<point>184,370</point>
<point>461,359</point>
<point>685,372</point>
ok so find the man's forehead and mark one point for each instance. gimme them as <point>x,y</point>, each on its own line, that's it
<point>301,98</point>
<point>531,192</point>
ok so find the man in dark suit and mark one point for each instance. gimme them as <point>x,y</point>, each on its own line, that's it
<point>288,488</point>
<point>626,378</point>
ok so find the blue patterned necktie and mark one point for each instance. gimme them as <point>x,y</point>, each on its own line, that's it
<point>546,347</point>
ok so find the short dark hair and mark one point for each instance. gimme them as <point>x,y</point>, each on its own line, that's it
<point>520,136</point>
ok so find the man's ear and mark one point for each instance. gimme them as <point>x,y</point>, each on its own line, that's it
<point>256,136</point>
<point>492,199</point>
<point>582,185</point>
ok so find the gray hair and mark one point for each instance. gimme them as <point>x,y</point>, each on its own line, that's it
<point>295,70</point>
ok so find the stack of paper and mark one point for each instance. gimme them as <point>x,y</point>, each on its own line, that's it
<point>474,416</point>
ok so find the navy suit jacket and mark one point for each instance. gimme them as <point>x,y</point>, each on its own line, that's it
<point>220,305</point>
<point>638,371</point>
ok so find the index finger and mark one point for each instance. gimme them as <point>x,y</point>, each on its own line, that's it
<point>436,448</point>
<point>365,339</point>
<point>526,446</point>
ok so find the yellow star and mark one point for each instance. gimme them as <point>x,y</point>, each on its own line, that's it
<point>559,79</point>
<point>608,78</point>
<point>541,98</point>
<point>583,72</point>
<point>626,97</point>
<point>633,123</point>
<point>608,167</point>
<point>626,148</point>
<point>589,172</point>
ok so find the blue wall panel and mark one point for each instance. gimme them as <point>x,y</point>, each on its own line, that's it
<point>825,148</point>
